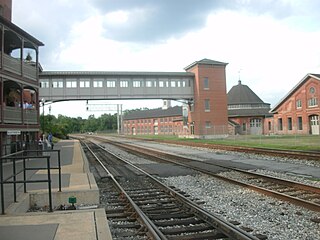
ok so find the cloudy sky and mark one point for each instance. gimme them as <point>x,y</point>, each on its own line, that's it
<point>272,43</point>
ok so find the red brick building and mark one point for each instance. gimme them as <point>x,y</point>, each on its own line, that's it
<point>208,114</point>
<point>298,112</point>
<point>155,122</point>
<point>246,111</point>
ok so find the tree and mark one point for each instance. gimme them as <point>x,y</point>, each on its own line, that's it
<point>63,125</point>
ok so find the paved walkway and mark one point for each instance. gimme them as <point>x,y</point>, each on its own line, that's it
<point>77,181</point>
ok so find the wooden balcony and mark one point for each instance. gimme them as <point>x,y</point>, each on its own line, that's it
<point>14,115</point>
<point>14,65</point>
<point>30,116</point>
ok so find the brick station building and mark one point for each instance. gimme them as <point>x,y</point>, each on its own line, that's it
<point>160,121</point>
<point>298,112</point>
<point>246,111</point>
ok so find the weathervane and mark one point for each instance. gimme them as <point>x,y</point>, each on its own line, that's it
<point>239,72</point>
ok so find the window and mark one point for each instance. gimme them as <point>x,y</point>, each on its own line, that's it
<point>57,84</point>
<point>97,84</point>
<point>280,127</point>
<point>255,122</point>
<point>136,84</point>
<point>44,84</point>
<point>313,102</point>
<point>111,84</point>
<point>298,103</point>
<point>84,83</point>
<point>178,84</point>
<point>173,83</point>
<point>124,84</point>
<point>314,120</point>
<point>148,83</point>
<point>207,105</point>
<point>312,90</point>
<point>269,126</point>
<point>208,124</point>
<point>161,84</point>
<point>71,84</point>
<point>299,123</point>
<point>183,83</point>
<point>206,83</point>
<point>289,123</point>
<point>244,127</point>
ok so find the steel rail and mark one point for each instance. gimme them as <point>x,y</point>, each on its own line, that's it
<point>298,201</point>
<point>225,227</point>
<point>153,230</point>
<point>310,155</point>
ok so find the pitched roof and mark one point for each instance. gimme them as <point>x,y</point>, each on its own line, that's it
<point>154,113</point>
<point>205,61</point>
<point>242,94</point>
<point>21,32</point>
<point>294,89</point>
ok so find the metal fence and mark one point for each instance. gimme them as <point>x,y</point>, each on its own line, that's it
<point>14,178</point>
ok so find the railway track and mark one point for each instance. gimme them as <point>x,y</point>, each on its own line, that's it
<point>294,192</point>
<point>296,154</point>
<point>141,207</point>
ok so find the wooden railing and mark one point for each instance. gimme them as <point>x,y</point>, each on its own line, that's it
<point>30,116</point>
<point>14,65</point>
<point>14,115</point>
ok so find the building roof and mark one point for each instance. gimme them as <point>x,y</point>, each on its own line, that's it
<point>21,32</point>
<point>294,89</point>
<point>154,113</point>
<point>254,112</point>
<point>249,103</point>
<point>205,61</point>
<point>116,73</point>
<point>242,94</point>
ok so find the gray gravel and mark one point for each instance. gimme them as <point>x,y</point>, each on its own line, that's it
<point>274,218</point>
<point>268,216</point>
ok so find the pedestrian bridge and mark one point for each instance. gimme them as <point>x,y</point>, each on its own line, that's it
<point>90,85</point>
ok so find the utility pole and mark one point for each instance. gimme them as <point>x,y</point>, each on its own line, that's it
<point>108,108</point>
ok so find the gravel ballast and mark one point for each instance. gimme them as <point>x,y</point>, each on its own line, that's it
<point>265,215</point>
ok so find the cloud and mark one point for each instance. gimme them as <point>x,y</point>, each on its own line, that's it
<point>154,20</point>
<point>49,21</point>
<point>275,42</point>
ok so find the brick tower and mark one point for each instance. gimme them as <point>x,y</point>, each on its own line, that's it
<point>208,115</point>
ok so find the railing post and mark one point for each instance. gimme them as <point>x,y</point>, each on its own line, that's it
<point>14,180</point>
<point>24,176</point>
<point>49,185</point>
<point>1,187</point>
<point>59,166</point>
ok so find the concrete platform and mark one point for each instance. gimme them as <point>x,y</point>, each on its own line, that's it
<point>77,181</point>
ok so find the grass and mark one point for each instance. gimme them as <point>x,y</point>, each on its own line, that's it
<point>290,142</point>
